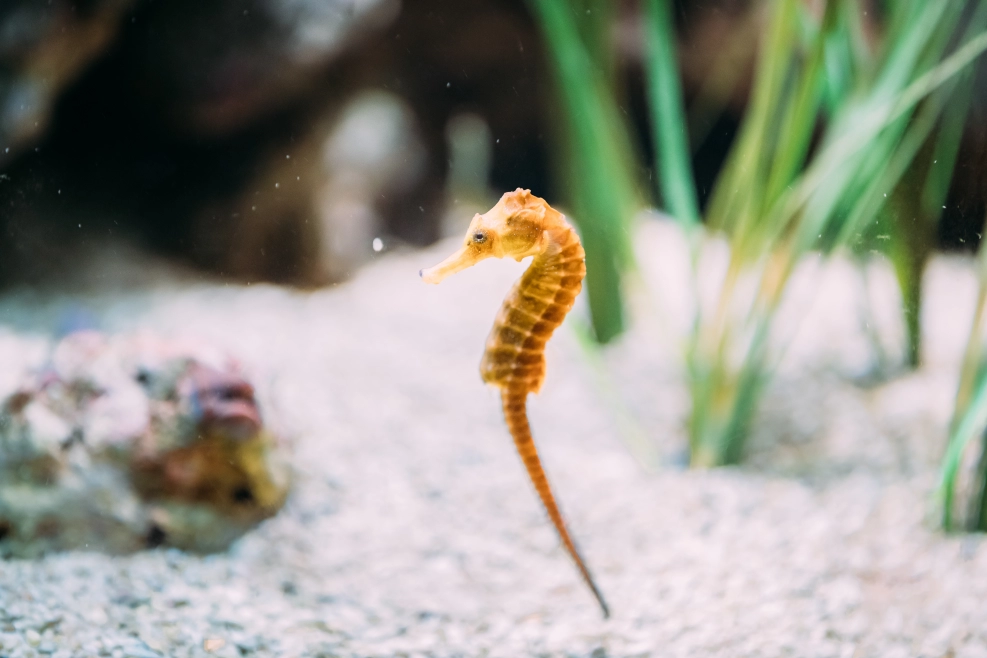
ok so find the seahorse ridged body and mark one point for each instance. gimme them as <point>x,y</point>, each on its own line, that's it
<point>523,225</point>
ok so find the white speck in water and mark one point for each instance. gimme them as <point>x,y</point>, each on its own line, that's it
<point>277,185</point>
<point>80,225</point>
<point>498,141</point>
<point>420,208</point>
<point>298,177</point>
<point>378,244</point>
<point>885,195</point>
<point>287,157</point>
<point>448,84</point>
<point>253,207</point>
<point>59,191</point>
<point>944,207</point>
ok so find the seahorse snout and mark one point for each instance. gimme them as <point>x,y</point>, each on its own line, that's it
<point>459,261</point>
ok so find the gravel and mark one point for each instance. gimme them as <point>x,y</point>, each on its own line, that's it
<point>413,531</point>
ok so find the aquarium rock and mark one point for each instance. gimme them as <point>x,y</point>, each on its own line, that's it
<point>117,443</point>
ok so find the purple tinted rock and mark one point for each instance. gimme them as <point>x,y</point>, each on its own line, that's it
<point>119,443</point>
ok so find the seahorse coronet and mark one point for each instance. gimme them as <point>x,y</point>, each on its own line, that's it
<point>521,225</point>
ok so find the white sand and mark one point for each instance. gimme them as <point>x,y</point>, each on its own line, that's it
<point>413,531</point>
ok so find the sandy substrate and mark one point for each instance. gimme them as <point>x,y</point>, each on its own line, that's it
<point>413,531</point>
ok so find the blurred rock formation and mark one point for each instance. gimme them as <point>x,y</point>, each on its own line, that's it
<point>171,123</point>
<point>123,443</point>
<point>44,46</point>
<point>311,213</point>
<point>215,68</point>
<point>180,136</point>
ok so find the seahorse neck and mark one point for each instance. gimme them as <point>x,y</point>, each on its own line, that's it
<point>557,238</point>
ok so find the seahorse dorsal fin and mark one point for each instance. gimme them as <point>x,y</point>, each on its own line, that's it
<point>516,200</point>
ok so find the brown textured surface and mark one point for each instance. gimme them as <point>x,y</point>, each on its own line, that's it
<point>521,225</point>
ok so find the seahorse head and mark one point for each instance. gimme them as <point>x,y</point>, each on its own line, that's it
<point>513,228</point>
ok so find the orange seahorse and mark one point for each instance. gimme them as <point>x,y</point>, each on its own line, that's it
<point>523,225</point>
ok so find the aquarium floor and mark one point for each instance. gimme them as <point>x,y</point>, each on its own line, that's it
<point>412,530</point>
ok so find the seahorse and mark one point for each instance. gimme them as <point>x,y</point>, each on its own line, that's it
<point>522,225</point>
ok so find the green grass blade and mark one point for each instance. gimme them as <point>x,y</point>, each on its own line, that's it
<point>735,202</point>
<point>863,127</point>
<point>775,208</point>
<point>947,144</point>
<point>802,115</point>
<point>667,116</point>
<point>972,421</point>
<point>601,182</point>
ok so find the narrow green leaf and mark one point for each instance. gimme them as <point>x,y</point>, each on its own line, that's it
<point>601,183</point>
<point>667,117</point>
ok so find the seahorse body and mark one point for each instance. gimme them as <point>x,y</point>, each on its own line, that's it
<point>522,225</point>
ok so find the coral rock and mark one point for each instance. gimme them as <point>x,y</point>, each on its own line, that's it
<point>120,443</point>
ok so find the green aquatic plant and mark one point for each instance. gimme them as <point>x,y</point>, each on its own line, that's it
<point>781,196</point>
<point>910,218</point>
<point>848,137</point>
<point>669,128</point>
<point>597,162</point>
<point>969,423</point>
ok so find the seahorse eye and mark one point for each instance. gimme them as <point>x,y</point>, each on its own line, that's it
<point>479,237</point>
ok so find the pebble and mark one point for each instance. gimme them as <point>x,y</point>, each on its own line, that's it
<point>141,652</point>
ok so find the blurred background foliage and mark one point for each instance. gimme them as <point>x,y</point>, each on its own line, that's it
<point>291,140</point>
